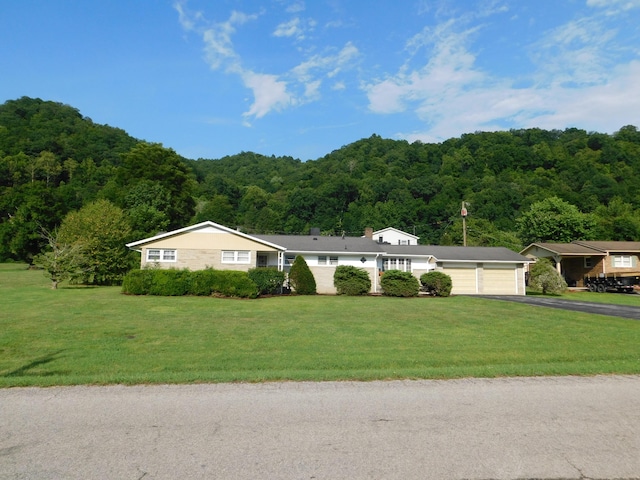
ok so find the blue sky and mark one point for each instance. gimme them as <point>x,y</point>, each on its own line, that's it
<point>211,78</point>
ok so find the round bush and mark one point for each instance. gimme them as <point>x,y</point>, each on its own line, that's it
<point>350,280</point>
<point>436,283</point>
<point>396,283</point>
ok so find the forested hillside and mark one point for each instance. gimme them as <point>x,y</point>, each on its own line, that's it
<point>54,161</point>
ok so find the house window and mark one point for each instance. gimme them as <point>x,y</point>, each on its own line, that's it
<point>403,264</point>
<point>403,242</point>
<point>622,261</point>
<point>161,255</point>
<point>236,256</point>
<point>380,239</point>
<point>588,263</point>
<point>322,260</point>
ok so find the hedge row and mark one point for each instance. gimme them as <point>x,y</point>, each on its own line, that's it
<point>225,283</point>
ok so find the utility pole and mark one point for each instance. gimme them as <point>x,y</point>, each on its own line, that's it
<point>463,212</point>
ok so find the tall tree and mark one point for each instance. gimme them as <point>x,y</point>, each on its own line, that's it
<point>554,220</point>
<point>101,229</point>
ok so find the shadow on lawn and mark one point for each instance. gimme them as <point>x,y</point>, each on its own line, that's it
<point>43,360</point>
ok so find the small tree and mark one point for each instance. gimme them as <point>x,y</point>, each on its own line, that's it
<point>544,277</point>
<point>63,261</point>
<point>300,277</point>
<point>396,283</point>
<point>436,283</point>
<point>350,280</point>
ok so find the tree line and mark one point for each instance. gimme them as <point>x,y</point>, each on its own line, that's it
<point>519,185</point>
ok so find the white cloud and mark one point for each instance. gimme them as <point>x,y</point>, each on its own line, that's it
<point>269,94</point>
<point>289,29</point>
<point>614,7</point>
<point>296,7</point>
<point>579,79</point>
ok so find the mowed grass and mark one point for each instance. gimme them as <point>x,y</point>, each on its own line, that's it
<point>80,335</point>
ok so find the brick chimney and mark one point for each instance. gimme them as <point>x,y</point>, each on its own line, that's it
<point>368,232</point>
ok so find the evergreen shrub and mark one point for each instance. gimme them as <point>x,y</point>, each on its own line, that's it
<point>350,280</point>
<point>300,277</point>
<point>436,283</point>
<point>269,280</point>
<point>170,283</point>
<point>184,282</point>
<point>137,282</point>
<point>396,283</point>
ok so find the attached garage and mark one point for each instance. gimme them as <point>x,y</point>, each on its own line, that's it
<point>481,270</point>
<point>464,277</point>
<point>499,279</point>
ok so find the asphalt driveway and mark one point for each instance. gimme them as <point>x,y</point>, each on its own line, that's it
<point>624,311</point>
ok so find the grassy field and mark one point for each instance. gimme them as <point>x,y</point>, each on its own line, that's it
<point>81,335</point>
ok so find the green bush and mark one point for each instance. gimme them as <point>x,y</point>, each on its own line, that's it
<point>170,282</point>
<point>350,280</point>
<point>183,282</point>
<point>137,282</point>
<point>436,283</point>
<point>229,283</point>
<point>202,282</point>
<point>269,280</point>
<point>300,277</point>
<point>544,277</point>
<point>396,283</point>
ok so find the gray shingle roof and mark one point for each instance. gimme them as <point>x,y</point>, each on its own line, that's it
<point>326,244</point>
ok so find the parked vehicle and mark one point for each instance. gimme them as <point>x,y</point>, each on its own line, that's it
<point>612,283</point>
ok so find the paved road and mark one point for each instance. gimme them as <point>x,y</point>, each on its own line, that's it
<point>521,428</point>
<point>624,311</point>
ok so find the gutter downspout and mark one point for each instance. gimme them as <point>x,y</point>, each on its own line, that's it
<point>376,275</point>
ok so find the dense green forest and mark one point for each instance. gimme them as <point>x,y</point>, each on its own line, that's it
<point>54,161</point>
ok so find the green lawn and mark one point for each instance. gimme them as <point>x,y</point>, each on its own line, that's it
<point>80,335</point>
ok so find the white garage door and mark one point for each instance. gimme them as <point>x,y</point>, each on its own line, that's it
<point>498,280</point>
<point>463,279</point>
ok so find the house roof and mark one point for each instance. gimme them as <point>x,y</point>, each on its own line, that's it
<point>459,254</point>
<point>353,245</point>
<point>323,244</point>
<point>199,226</point>
<point>608,247</point>
<point>582,248</point>
<point>391,229</point>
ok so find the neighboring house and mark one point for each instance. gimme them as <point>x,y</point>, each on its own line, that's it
<point>580,259</point>
<point>474,270</point>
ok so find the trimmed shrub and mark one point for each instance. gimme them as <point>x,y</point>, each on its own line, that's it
<point>269,280</point>
<point>230,283</point>
<point>137,282</point>
<point>170,283</point>
<point>300,277</point>
<point>202,282</point>
<point>350,280</point>
<point>436,283</point>
<point>396,283</point>
<point>183,282</point>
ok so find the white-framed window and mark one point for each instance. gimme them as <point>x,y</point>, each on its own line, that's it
<point>403,264</point>
<point>161,255</point>
<point>622,261</point>
<point>236,256</point>
<point>404,242</point>
<point>322,260</point>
